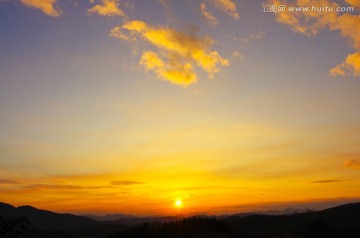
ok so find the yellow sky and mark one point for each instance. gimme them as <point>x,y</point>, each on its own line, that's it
<point>115,106</point>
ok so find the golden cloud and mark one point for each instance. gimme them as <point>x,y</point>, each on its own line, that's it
<point>350,65</point>
<point>107,8</point>
<point>175,72</point>
<point>46,6</point>
<point>179,52</point>
<point>228,7</point>
<point>311,22</point>
<point>210,18</point>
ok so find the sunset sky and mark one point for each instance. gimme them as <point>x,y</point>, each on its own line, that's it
<point>127,106</point>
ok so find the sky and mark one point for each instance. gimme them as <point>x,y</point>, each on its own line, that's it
<point>127,106</point>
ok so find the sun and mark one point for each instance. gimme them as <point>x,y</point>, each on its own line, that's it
<point>178,203</point>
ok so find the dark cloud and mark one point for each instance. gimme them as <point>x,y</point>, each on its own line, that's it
<point>125,182</point>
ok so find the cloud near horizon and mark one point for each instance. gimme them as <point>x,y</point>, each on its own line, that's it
<point>311,23</point>
<point>178,55</point>
<point>107,8</point>
<point>327,181</point>
<point>125,182</point>
<point>46,6</point>
<point>64,187</point>
<point>9,181</point>
<point>354,163</point>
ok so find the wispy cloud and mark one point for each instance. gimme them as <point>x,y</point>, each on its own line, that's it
<point>9,181</point>
<point>354,163</point>
<point>327,181</point>
<point>179,53</point>
<point>64,187</point>
<point>46,6</point>
<point>125,182</point>
<point>228,7</point>
<point>168,11</point>
<point>107,8</point>
<point>310,23</point>
<point>254,36</point>
<point>210,18</point>
<point>238,55</point>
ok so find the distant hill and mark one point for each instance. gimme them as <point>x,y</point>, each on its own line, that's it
<point>44,219</point>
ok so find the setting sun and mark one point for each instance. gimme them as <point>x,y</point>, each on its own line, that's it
<point>178,203</point>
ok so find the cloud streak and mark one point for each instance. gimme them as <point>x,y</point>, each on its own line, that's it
<point>125,182</point>
<point>254,36</point>
<point>46,6</point>
<point>64,187</point>
<point>327,181</point>
<point>310,23</point>
<point>210,18</point>
<point>179,53</point>
<point>9,181</point>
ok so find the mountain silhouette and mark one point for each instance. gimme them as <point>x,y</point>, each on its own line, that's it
<point>43,219</point>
